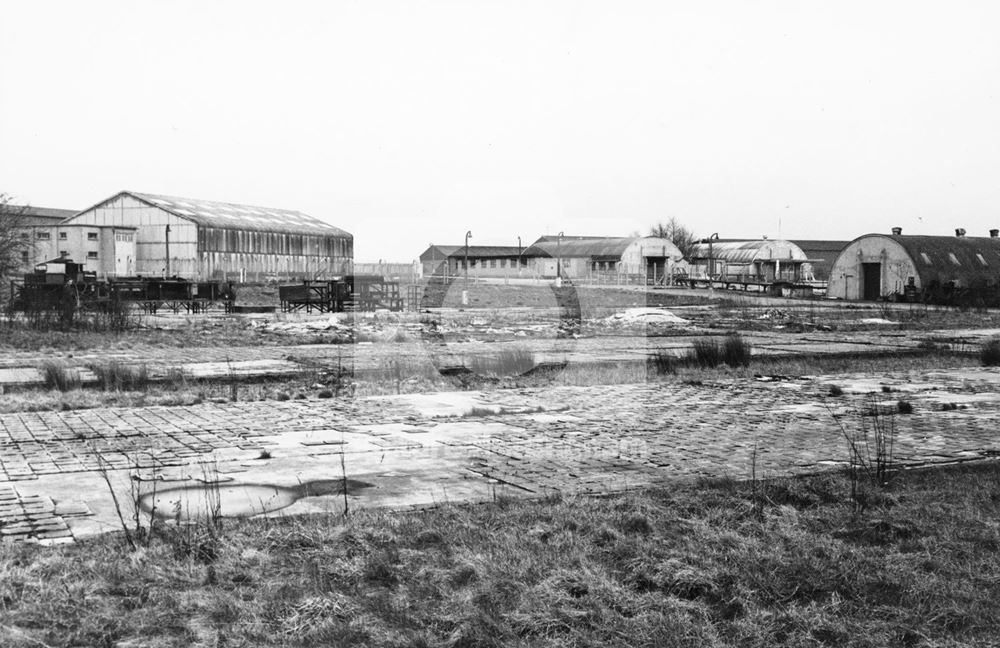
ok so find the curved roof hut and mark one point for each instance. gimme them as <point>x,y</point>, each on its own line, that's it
<point>756,261</point>
<point>877,266</point>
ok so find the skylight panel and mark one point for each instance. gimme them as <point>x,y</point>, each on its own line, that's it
<point>954,259</point>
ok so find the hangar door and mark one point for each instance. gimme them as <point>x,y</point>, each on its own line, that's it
<point>871,281</point>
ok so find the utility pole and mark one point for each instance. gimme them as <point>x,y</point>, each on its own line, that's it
<point>559,259</point>
<point>519,256</point>
<point>711,259</point>
<point>468,235</point>
<point>166,239</point>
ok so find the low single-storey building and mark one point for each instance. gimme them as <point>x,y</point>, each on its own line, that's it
<point>891,266</point>
<point>484,261</point>
<point>598,258</point>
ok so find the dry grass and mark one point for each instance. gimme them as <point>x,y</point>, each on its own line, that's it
<point>989,354</point>
<point>689,566</point>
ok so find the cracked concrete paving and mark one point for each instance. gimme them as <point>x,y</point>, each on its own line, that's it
<point>421,450</point>
<point>21,368</point>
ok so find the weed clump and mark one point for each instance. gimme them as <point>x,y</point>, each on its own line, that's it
<point>904,407</point>
<point>836,390</point>
<point>117,376</point>
<point>511,361</point>
<point>663,363</point>
<point>989,355</point>
<point>705,353</point>
<point>57,375</point>
<point>736,351</point>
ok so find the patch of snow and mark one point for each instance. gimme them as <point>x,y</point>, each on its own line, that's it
<point>645,316</point>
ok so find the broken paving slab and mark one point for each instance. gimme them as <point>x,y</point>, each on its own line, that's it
<point>242,368</point>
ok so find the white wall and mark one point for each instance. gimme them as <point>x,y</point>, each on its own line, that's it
<point>150,244</point>
<point>897,267</point>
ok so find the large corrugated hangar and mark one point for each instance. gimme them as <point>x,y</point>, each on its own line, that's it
<point>209,240</point>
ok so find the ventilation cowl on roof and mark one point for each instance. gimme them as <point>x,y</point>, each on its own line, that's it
<point>897,231</point>
<point>960,232</point>
<point>994,233</point>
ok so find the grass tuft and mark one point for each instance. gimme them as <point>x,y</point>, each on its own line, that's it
<point>989,354</point>
<point>705,353</point>
<point>117,376</point>
<point>664,363</point>
<point>736,351</point>
<point>57,375</point>
<point>510,361</point>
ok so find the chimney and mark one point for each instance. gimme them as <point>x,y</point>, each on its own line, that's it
<point>994,233</point>
<point>896,231</point>
<point>960,232</point>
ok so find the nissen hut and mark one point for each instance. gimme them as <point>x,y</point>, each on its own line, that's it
<point>926,268</point>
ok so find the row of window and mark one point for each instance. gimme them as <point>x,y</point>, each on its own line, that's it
<point>491,263</point>
<point>954,259</point>
<point>45,236</point>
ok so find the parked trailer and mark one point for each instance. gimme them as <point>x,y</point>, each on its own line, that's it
<point>61,284</point>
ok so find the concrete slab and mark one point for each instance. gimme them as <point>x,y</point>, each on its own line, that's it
<point>423,450</point>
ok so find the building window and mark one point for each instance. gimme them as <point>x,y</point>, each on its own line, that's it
<point>927,259</point>
<point>91,236</point>
<point>493,263</point>
<point>503,263</point>
<point>24,236</point>
<point>43,236</point>
<point>981,259</point>
<point>63,253</point>
<point>92,255</point>
<point>954,259</point>
<point>24,256</point>
<point>62,236</point>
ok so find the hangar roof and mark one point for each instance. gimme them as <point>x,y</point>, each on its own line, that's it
<point>209,213</point>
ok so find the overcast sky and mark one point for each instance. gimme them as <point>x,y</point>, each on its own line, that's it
<point>411,122</point>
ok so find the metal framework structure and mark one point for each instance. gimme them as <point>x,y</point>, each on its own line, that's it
<point>349,293</point>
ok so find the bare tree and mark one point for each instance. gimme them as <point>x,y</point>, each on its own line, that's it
<point>12,242</point>
<point>677,234</point>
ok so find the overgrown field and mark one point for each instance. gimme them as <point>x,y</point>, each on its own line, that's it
<point>710,564</point>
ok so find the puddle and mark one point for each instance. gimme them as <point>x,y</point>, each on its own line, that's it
<point>236,500</point>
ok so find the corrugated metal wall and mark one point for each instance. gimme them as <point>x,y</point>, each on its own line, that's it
<point>217,253</point>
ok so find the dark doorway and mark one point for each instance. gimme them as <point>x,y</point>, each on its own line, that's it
<point>871,281</point>
<point>656,267</point>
